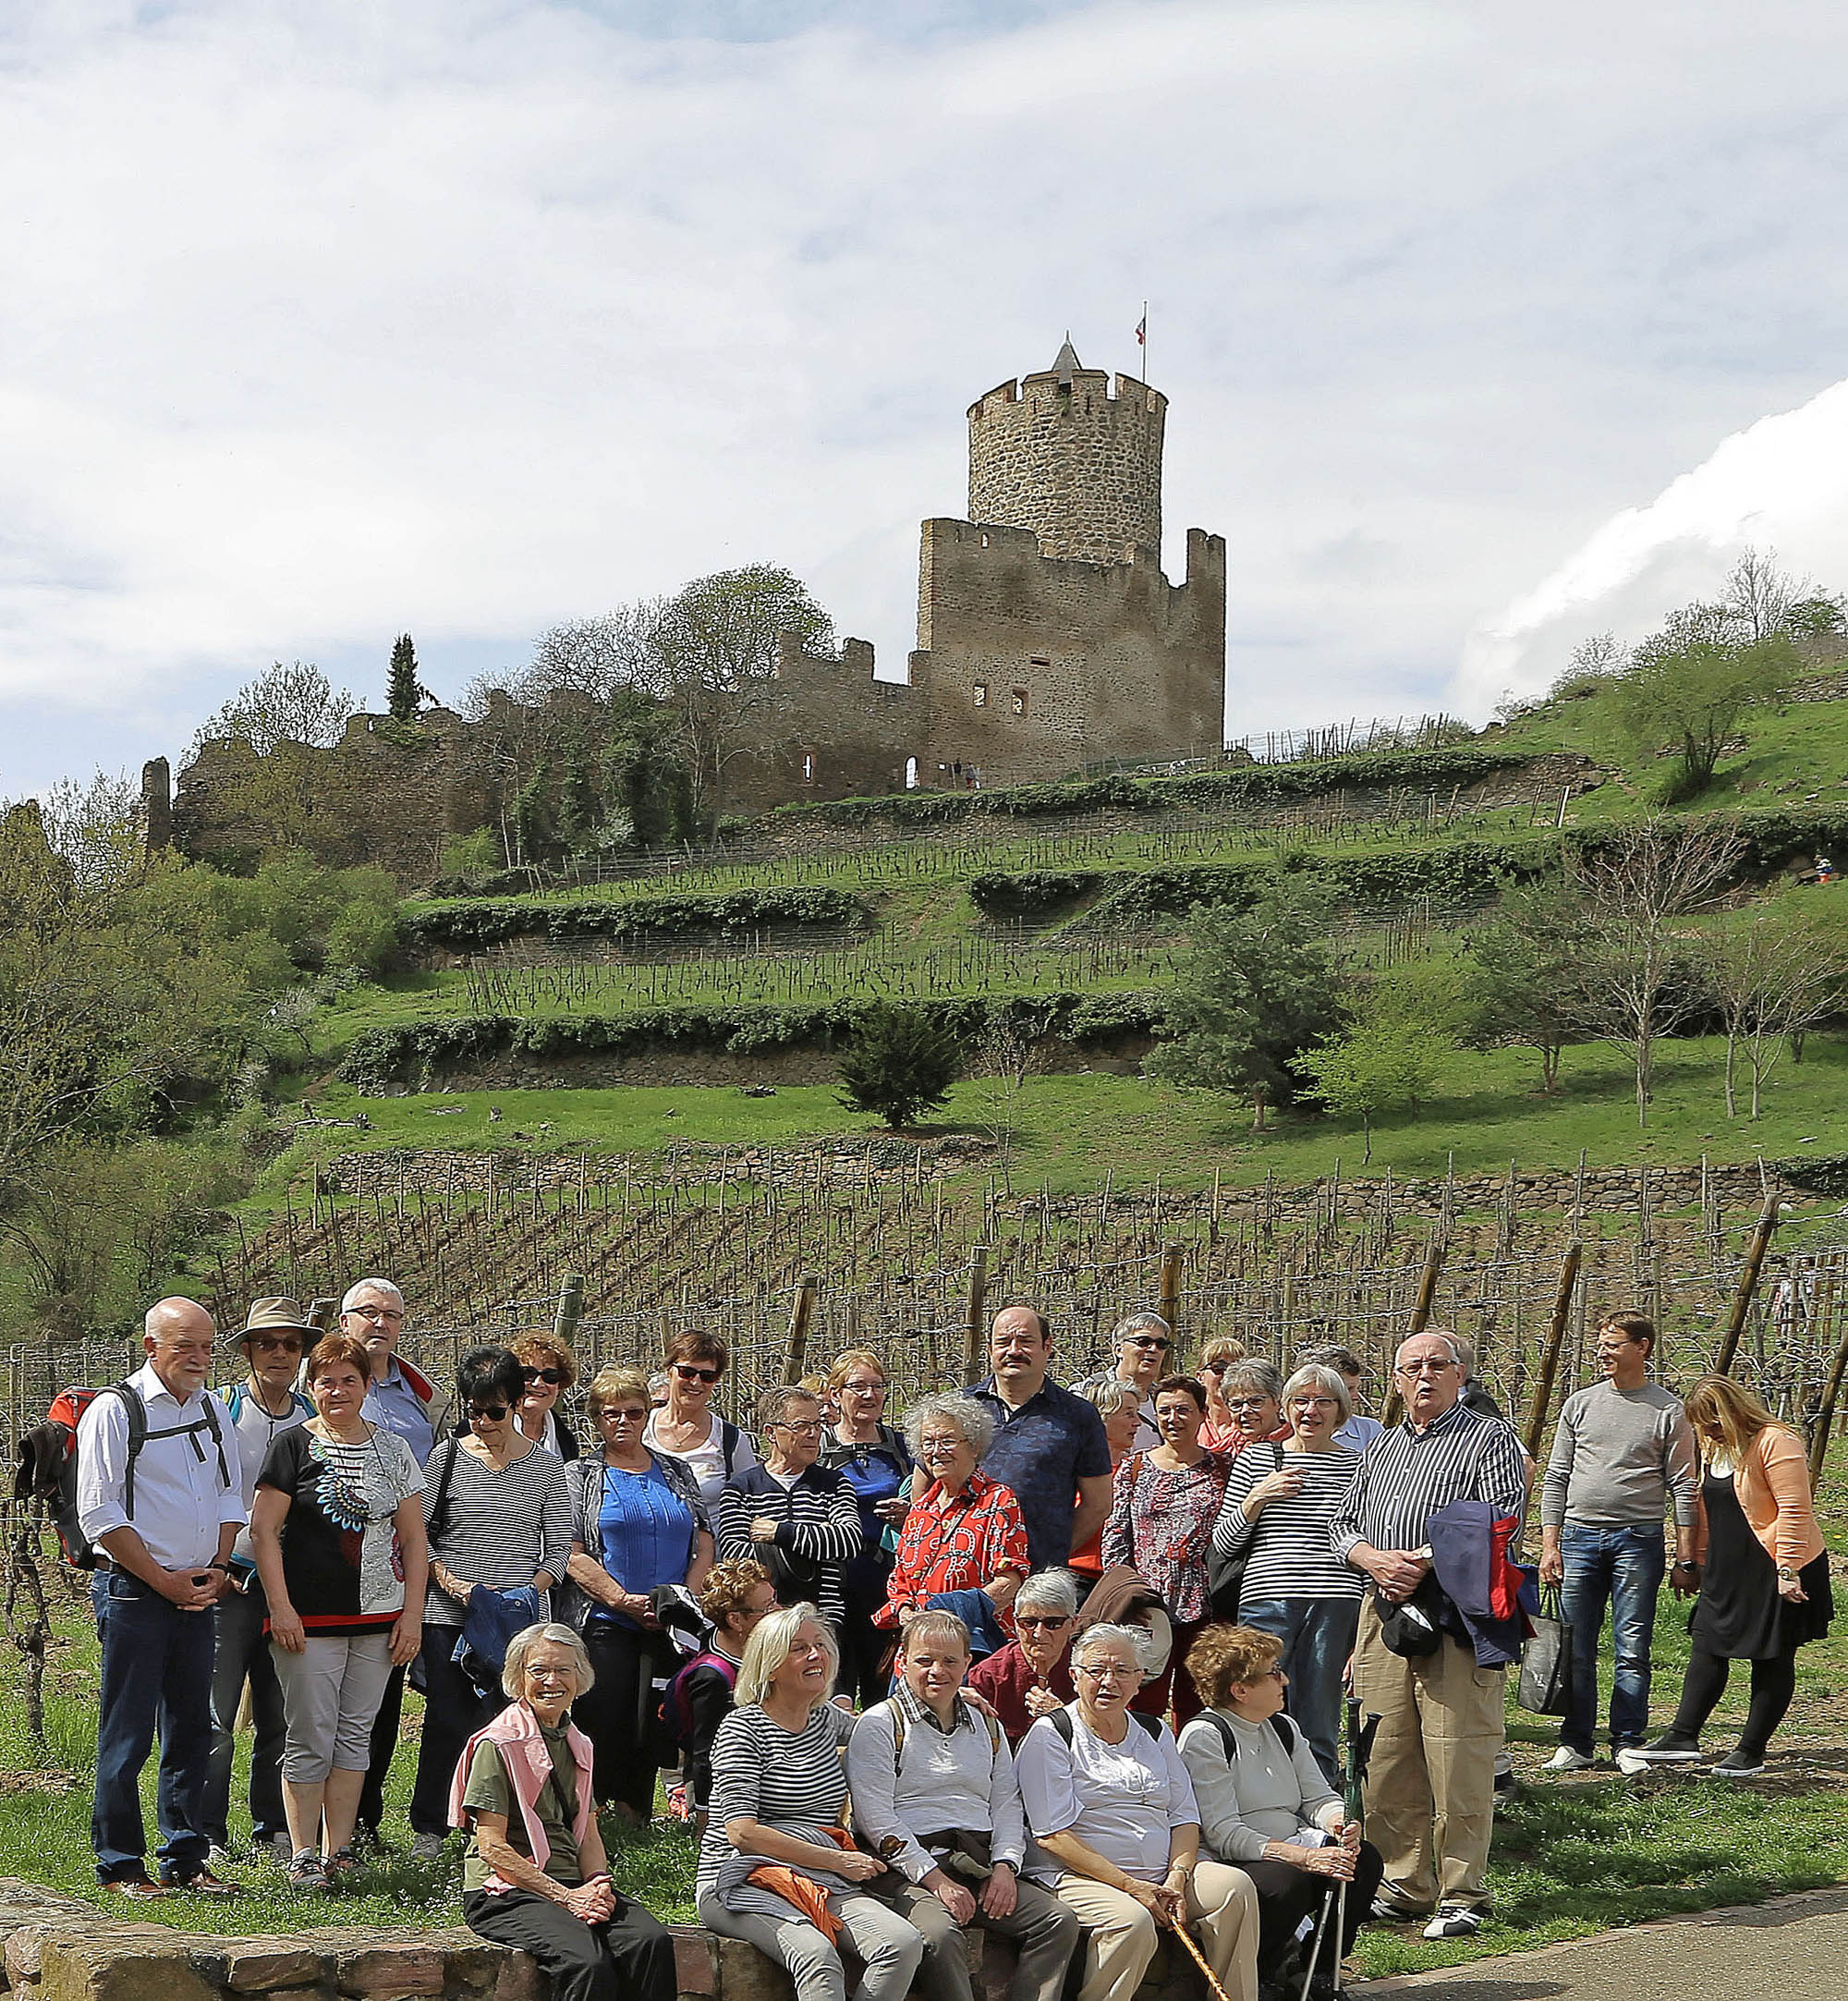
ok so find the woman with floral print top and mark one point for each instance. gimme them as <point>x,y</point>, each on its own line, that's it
<point>1161,1521</point>
<point>964,1531</point>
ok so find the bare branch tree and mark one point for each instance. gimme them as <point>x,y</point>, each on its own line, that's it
<point>1639,893</point>
<point>1759,596</point>
<point>1775,969</point>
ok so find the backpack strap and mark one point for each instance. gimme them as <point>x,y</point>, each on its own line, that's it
<point>729,1435</point>
<point>1286,1732</point>
<point>1062,1722</point>
<point>138,1436</point>
<point>437,1520</point>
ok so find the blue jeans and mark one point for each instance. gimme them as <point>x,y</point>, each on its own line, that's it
<point>1623,1567</point>
<point>156,1676</point>
<point>1318,1636</point>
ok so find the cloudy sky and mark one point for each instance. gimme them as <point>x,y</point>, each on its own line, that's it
<point>1485,325</point>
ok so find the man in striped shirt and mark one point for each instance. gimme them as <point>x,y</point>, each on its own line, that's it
<point>1430,1784</point>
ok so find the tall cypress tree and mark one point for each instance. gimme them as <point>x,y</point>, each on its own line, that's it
<point>405,692</point>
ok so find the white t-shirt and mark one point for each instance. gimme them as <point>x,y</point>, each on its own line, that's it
<point>1124,1800</point>
<point>707,1462</point>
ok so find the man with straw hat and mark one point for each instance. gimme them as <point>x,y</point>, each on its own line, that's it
<point>275,1337</point>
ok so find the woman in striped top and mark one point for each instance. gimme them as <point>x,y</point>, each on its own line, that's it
<point>1279,1501</point>
<point>777,1866</point>
<point>500,1518</point>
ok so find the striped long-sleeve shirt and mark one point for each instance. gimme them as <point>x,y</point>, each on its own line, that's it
<point>497,1529</point>
<point>1405,1476</point>
<point>1290,1553</point>
<point>818,1528</point>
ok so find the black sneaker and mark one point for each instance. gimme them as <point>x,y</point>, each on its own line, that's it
<point>1668,1746</point>
<point>1738,1763</point>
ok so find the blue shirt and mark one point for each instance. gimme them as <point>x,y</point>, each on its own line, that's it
<point>644,1532</point>
<point>391,1401</point>
<point>1042,1451</point>
<point>875,1471</point>
<point>1359,1432</point>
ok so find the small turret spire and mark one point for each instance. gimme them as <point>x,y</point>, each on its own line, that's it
<point>1067,363</point>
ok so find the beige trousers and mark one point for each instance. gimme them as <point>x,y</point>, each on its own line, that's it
<point>1123,1935</point>
<point>1431,1782</point>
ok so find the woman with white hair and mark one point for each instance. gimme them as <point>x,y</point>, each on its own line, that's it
<point>776,1865</point>
<point>536,1876</point>
<point>1112,1809</point>
<point>964,1533</point>
<point>1030,1677</point>
<point>1279,1501</point>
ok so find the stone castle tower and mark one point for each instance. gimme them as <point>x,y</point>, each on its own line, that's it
<point>1060,454</point>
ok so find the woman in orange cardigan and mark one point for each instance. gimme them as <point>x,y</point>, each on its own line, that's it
<point>1764,1575</point>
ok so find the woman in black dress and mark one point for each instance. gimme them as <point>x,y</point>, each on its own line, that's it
<point>1764,1581</point>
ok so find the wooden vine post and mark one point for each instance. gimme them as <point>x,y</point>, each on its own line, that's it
<point>1749,1285</point>
<point>1825,1416</point>
<point>975,1329</point>
<point>1550,1355</point>
<point>1421,1314</point>
<point>1172,1255</point>
<point>800,1313</point>
<point>570,1310</point>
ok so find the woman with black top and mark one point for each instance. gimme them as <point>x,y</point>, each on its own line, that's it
<point>1764,1576</point>
<point>872,1457</point>
<point>336,1529</point>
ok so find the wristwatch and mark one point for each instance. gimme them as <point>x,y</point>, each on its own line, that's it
<point>1785,1574</point>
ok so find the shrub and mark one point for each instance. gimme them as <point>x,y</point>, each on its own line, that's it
<point>899,1064</point>
<point>469,927</point>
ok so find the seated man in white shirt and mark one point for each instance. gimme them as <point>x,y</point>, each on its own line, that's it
<point>935,1797</point>
<point>167,1518</point>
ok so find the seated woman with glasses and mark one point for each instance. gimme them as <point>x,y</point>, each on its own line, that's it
<point>1279,1501</point>
<point>639,1523</point>
<point>963,1548</point>
<point>1265,1804</point>
<point>799,1520</point>
<point>549,1369</point>
<point>500,1521</point>
<point>1112,1811</point>
<point>1030,1677</point>
<point>711,1448</point>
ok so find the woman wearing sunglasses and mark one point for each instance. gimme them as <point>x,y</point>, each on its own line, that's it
<point>711,1448</point>
<point>500,1520</point>
<point>640,1524</point>
<point>549,1369</point>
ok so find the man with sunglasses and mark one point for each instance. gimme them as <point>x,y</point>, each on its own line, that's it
<point>258,1410</point>
<point>1143,1342</point>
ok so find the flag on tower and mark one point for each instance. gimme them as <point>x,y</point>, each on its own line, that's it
<point>1142,329</point>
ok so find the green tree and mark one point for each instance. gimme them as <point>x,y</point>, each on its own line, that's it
<point>1375,1068</point>
<point>1688,689</point>
<point>1258,987</point>
<point>1524,974</point>
<point>406,693</point>
<point>899,1064</point>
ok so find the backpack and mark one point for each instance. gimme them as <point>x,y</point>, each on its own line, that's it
<point>1062,1722</point>
<point>676,1704</point>
<point>1286,1729</point>
<point>47,1466</point>
<point>1225,1575</point>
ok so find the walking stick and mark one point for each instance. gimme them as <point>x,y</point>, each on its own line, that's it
<point>1316,1943</point>
<point>1200,1960</point>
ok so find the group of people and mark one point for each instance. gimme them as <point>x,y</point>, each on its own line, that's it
<point>1070,1662</point>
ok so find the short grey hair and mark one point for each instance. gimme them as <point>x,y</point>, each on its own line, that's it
<point>968,1414</point>
<point>513,1671</point>
<point>351,1296</point>
<point>1143,1323</point>
<point>773,1404</point>
<point>1137,1638</point>
<point>769,1647</point>
<point>1109,1394</point>
<point>1263,1378</point>
<point>1460,1350</point>
<point>1321,1376</point>
<point>1049,1590</point>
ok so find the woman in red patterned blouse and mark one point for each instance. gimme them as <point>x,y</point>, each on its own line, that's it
<point>1161,1523</point>
<point>964,1531</point>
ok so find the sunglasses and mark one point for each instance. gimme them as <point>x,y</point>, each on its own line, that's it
<point>1048,1619</point>
<point>689,1373</point>
<point>1147,1341</point>
<point>267,1341</point>
<point>620,1414</point>
<point>543,1375</point>
<point>487,1413</point>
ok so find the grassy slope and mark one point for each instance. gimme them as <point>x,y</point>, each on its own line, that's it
<point>1487,1110</point>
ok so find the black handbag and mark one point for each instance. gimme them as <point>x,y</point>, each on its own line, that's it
<point>1546,1660</point>
<point>1225,1575</point>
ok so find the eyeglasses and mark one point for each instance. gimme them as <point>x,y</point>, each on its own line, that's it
<point>1427,1365</point>
<point>1047,1619</point>
<point>938,1448</point>
<point>487,1413</point>
<point>543,1375</point>
<point>864,1389</point>
<point>1247,1403</point>
<point>689,1373</point>
<point>269,1341</point>
<point>1313,1403</point>
<point>809,1428</point>
<point>626,1414</point>
<point>376,1312</point>
<point>1110,1671</point>
<point>1147,1341</point>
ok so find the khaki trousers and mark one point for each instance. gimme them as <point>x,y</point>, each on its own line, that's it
<point>1124,1937</point>
<point>1431,1782</point>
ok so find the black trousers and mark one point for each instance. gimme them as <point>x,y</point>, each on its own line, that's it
<point>453,1709</point>
<point>385,1743</point>
<point>631,1958</point>
<point>1287,1895</point>
<point>864,1647</point>
<point>617,1715</point>
<point>1773,1687</point>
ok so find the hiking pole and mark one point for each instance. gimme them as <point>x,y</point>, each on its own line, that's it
<point>1200,1960</point>
<point>1316,1943</point>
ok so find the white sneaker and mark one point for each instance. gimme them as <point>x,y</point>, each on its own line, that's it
<point>427,1848</point>
<point>1630,1761</point>
<point>1565,1759</point>
<point>1454,1921</point>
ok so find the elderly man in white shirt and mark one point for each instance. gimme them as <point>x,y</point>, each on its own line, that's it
<point>166,1516</point>
<point>935,1797</point>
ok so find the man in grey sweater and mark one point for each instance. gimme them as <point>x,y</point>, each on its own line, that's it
<point>1622,1452</point>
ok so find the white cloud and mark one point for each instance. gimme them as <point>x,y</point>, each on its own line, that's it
<point>468,315</point>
